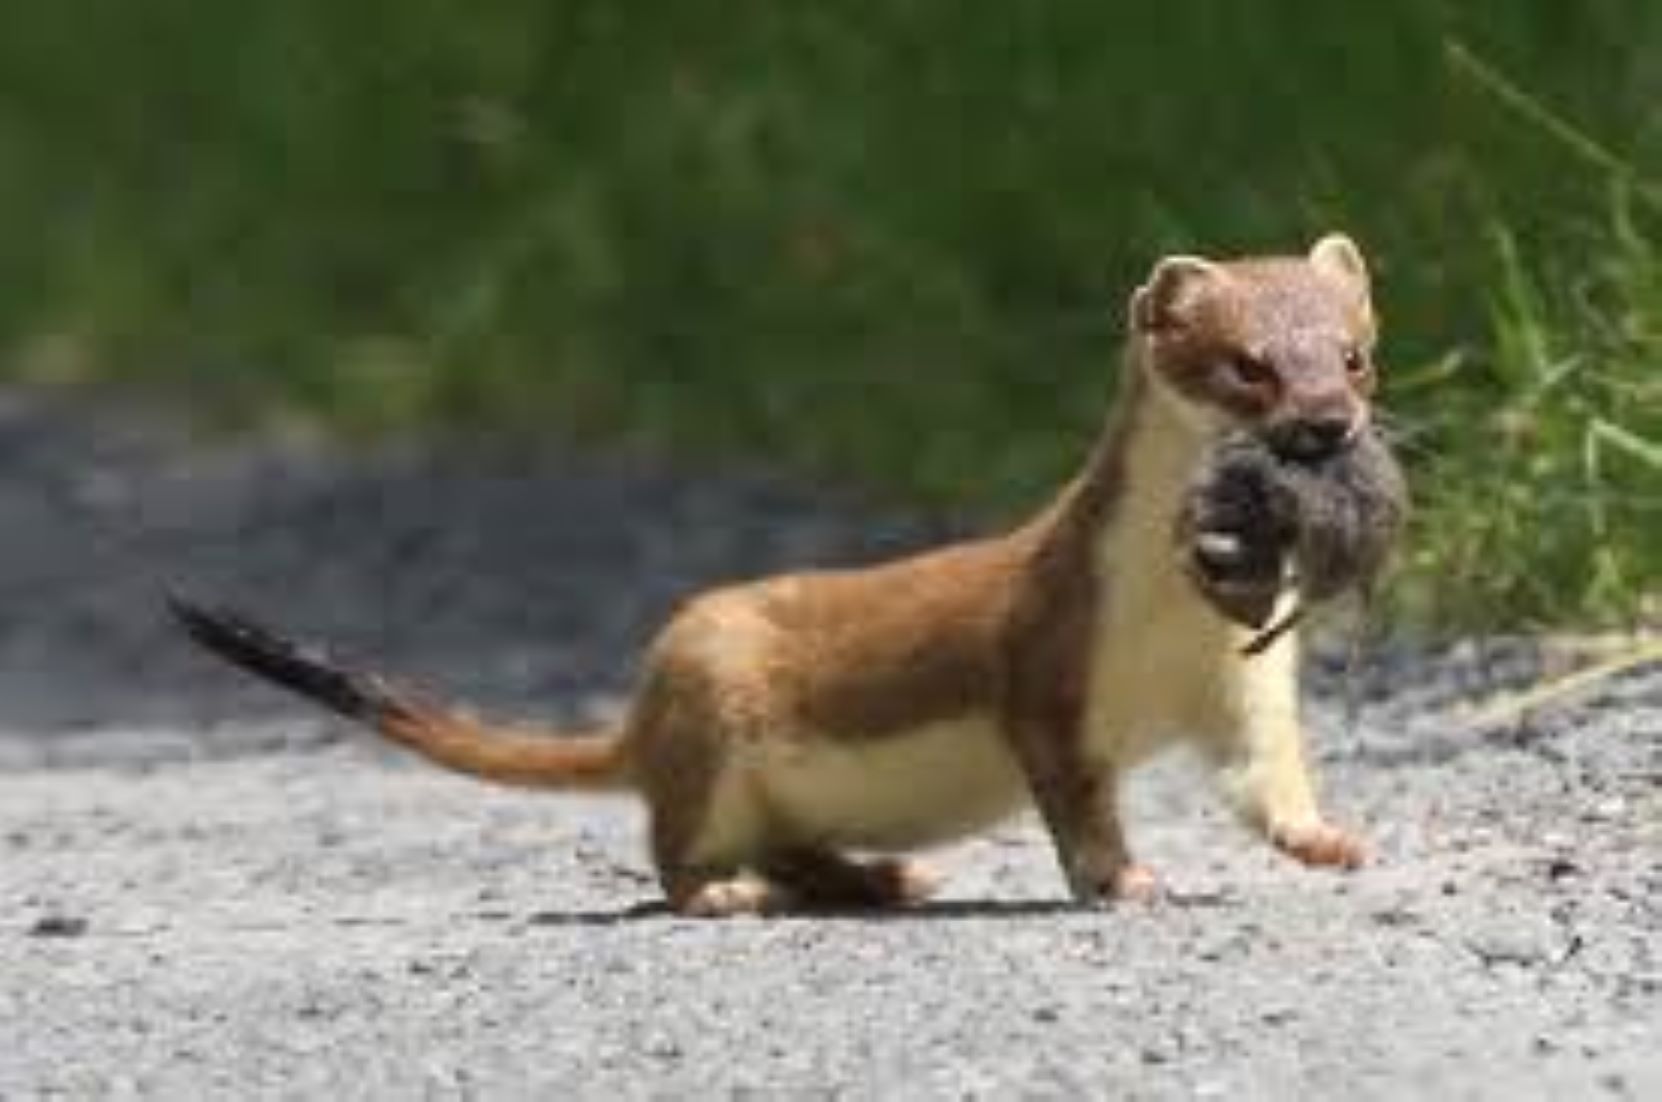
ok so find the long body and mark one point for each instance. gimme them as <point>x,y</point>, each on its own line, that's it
<point>781,723</point>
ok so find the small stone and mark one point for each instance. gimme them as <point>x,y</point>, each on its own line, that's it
<point>1560,868</point>
<point>58,926</point>
<point>664,1048</point>
<point>1610,810</point>
<point>1521,944</point>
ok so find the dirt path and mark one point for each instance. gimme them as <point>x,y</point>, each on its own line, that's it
<point>207,893</point>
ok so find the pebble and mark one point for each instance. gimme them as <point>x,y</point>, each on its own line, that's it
<point>58,925</point>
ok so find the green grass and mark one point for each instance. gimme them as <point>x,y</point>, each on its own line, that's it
<point>885,241</point>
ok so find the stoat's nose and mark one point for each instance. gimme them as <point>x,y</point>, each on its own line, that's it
<point>1312,439</point>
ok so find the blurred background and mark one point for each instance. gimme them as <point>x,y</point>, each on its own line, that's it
<point>885,244</point>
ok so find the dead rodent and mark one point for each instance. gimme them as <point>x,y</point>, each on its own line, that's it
<point>1255,524</point>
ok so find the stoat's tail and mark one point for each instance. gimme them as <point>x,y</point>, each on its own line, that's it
<point>587,761</point>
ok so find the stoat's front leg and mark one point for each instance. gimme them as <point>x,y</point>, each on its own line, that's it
<point>1257,743</point>
<point>1078,799</point>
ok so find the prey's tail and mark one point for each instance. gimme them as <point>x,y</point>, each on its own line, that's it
<point>440,734</point>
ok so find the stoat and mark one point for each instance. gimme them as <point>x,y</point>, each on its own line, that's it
<point>781,726</point>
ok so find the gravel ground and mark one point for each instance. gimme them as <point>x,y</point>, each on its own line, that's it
<point>207,892</point>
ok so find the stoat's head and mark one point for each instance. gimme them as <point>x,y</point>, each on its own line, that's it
<point>1281,346</point>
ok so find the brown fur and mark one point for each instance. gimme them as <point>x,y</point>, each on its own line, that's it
<point>780,723</point>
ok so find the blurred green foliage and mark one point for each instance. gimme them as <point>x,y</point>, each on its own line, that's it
<point>888,241</point>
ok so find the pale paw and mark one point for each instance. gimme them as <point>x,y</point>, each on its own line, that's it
<point>905,883</point>
<point>1126,884</point>
<point>1320,845</point>
<point>1136,884</point>
<point>730,898</point>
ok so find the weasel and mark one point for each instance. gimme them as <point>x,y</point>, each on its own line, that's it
<point>782,725</point>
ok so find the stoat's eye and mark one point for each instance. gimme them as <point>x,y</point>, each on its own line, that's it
<point>1356,363</point>
<point>1251,372</point>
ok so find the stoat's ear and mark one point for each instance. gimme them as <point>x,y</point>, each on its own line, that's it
<point>1175,285</point>
<point>1337,257</point>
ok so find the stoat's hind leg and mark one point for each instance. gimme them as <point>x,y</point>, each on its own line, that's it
<point>707,825</point>
<point>820,878</point>
<point>710,881</point>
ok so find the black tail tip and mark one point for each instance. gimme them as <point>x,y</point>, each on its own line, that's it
<point>187,612</point>
<point>246,644</point>
<point>217,627</point>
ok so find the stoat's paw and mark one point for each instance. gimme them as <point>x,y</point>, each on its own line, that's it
<point>1320,844</point>
<point>1130,883</point>
<point>741,895</point>
<point>1136,884</point>
<point>902,882</point>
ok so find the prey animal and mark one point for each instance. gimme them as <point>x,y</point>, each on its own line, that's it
<point>794,738</point>
<point>1257,522</point>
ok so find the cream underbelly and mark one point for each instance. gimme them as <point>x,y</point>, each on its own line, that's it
<point>900,791</point>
